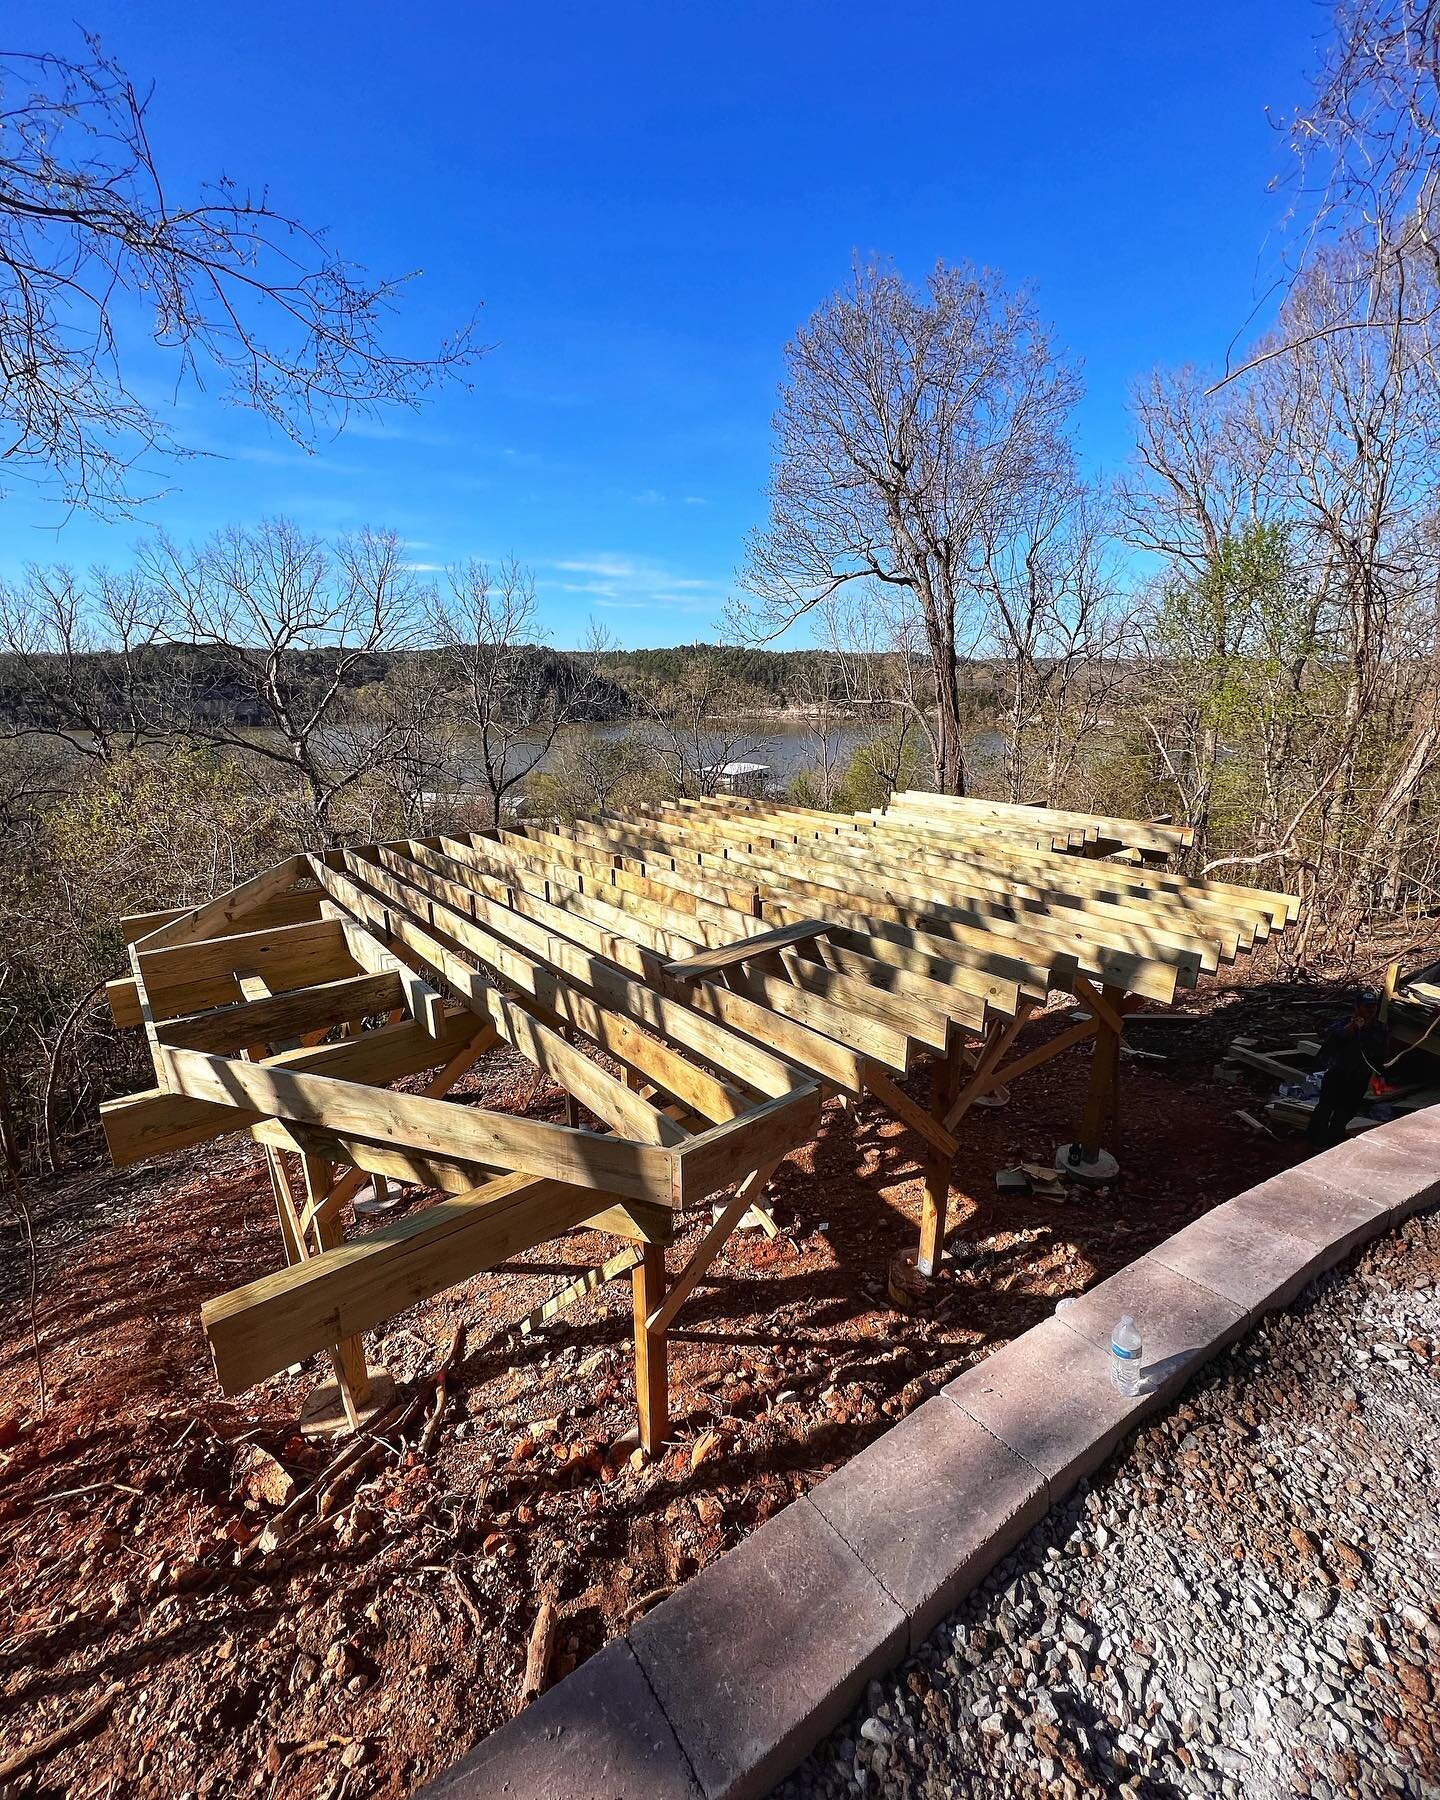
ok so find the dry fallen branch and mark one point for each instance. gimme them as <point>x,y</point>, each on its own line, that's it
<point>324,1490</point>
<point>442,1389</point>
<point>63,1734</point>
<point>638,1607</point>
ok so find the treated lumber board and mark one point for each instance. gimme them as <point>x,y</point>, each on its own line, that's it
<point>714,1099</point>
<point>712,962</point>
<point>764,1136</point>
<point>910,1112</point>
<point>562,962</point>
<point>797,1046</point>
<point>591,856</point>
<point>925,1024</point>
<point>158,1120</point>
<point>1200,928</point>
<point>652,1385</point>
<point>1093,938</point>
<point>135,926</point>
<point>624,938</point>
<point>705,1252</point>
<point>1131,833</point>
<point>448,1175</point>
<point>283,909</point>
<point>807,1048</point>
<point>258,1329</point>
<point>285,972</point>
<point>611,1030</point>
<point>586,1158</point>
<point>421,1001</point>
<point>615,988</point>
<point>950,1002</point>
<point>168,967</point>
<point>217,917</point>
<point>737,1133</point>
<point>1283,908</point>
<point>870,1037</point>
<point>609,1270</point>
<point>1000,989</point>
<point>1099,887</point>
<point>285,1015</point>
<point>595,1087</point>
<point>801,873</point>
<point>998,978</point>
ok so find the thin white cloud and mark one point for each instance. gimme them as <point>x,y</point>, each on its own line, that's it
<point>618,568</point>
<point>612,579</point>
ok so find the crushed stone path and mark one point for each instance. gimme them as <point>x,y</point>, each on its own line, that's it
<point>1244,1602</point>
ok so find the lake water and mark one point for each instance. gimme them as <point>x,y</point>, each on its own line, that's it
<point>785,745</point>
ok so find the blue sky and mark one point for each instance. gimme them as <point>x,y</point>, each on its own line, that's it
<point>648,199</point>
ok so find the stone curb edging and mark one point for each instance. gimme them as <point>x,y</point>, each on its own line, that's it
<point>724,1687</point>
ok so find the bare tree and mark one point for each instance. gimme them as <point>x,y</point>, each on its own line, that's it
<point>1051,584</point>
<point>93,234</point>
<point>80,661</point>
<point>588,772</point>
<point>886,678</point>
<point>1296,509</point>
<point>820,691</point>
<point>422,774</point>
<point>1365,176</point>
<point>515,695</point>
<point>285,633</point>
<point>910,424</point>
<point>696,725</point>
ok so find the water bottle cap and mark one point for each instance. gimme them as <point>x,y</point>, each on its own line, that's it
<point>1127,1318</point>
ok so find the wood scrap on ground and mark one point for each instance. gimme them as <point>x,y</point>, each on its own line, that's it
<point>537,1655</point>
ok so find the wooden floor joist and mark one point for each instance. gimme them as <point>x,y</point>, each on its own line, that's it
<point>694,977</point>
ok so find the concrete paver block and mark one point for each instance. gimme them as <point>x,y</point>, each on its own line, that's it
<point>1398,1168</point>
<point>931,1507</point>
<point>1248,1260</point>
<point>598,1735</point>
<point>1048,1395</point>
<point>1182,1323</point>
<point>765,1651</point>
<point>1328,1217</point>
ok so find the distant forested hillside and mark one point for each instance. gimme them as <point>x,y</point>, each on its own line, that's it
<point>200,681</point>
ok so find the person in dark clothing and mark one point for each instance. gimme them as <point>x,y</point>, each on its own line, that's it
<point>1352,1050</point>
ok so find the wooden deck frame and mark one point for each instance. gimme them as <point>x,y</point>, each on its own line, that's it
<point>972,908</point>
<point>234,1028</point>
<point>695,976</point>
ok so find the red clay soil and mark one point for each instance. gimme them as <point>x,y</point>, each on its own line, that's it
<point>367,1653</point>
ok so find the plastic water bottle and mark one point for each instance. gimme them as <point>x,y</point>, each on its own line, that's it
<point>1125,1349</point>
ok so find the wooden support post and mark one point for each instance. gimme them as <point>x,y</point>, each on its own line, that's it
<point>289,1218</point>
<point>651,1381</point>
<point>938,1163</point>
<point>1101,1105</point>
<point>352,1376</point>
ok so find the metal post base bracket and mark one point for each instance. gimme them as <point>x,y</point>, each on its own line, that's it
<point>1098,1169</point>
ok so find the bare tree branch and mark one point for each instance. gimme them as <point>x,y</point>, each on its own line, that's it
<point>236,291</point>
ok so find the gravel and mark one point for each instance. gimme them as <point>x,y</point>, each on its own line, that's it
<point>1245,1602</point>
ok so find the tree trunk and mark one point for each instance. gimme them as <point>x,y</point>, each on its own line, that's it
<point>949,731</point>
